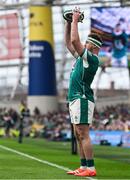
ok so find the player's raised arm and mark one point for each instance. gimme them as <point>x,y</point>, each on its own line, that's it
<point>75,39</point>
<point>68,39</point>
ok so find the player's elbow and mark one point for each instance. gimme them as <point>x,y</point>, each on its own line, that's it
<point>73,41</point>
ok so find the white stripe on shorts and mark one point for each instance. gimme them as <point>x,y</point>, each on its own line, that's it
<point>74,108</point>
<point>75,112</point>
<point>90,111</point>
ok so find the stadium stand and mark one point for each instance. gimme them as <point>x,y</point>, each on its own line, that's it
<point>56,125</point>
<point>111,102</point>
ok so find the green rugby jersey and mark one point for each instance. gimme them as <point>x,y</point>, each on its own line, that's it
<point>119,45</point>
<point>82,76</point>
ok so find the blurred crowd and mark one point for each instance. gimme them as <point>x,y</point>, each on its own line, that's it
<point>56,125</point>
<point>112,118</point>
<point>9,119</point>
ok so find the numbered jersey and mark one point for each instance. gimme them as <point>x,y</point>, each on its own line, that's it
<point>82,76</point>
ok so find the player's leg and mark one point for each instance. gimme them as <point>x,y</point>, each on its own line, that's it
<point>74,114</point>
<point>83,162</point>
<point>83,131</point>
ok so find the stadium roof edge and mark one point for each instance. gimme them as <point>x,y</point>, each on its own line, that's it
<point>15,5</point>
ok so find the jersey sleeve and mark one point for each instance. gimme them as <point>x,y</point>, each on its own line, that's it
<point>84,54</point>
<point>84,57</point>
<point>89,59</point>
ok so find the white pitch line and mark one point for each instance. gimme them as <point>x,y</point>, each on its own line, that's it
<point>39,160</point>
<point>34,158</point>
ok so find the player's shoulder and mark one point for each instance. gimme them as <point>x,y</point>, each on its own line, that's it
<point>87,53</point>
<point>89,56</point>
<point>93,56</point>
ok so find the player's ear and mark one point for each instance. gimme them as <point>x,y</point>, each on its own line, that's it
<point>94,47</point>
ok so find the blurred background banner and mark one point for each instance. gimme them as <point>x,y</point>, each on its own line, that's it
<point>114,26</point>
<point>114,138</point>
<point>10,44</point>
<point>42,76</point>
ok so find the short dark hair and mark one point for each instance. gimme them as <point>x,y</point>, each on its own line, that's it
<point>95,39</point>
<point>96,36</point>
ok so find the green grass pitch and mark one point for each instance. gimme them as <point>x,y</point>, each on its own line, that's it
<point>111,162</point>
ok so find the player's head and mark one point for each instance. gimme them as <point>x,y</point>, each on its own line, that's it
<point>117,30</point>
<point>94,43</point>
<point>122,20</point>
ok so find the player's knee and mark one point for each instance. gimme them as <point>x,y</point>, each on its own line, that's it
<point>84,136</point>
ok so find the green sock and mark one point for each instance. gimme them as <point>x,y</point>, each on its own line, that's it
<point>90,162</point>
<point>83,162</point>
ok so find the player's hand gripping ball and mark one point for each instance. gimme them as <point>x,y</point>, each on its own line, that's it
<point>67,15</point>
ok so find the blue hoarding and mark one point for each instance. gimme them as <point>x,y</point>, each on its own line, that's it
<point>113,137</point>
<point>42,79</point>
